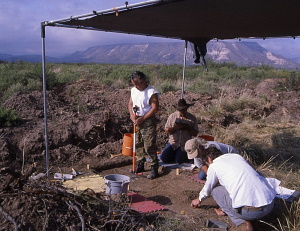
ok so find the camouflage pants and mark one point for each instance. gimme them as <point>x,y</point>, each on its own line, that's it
<point>146,141</point>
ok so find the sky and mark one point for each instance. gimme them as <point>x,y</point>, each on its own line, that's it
<point>20,29</point>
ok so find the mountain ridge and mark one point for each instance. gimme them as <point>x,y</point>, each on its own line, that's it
<point>241,53</point>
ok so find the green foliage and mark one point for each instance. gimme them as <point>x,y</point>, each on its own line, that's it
<point>202,87</point>
<point>169,72</point>
<point>242,103</point>
<point>165,87</point>
<point>292,82</point>
<point>23,77</point>
<point>8,118</point>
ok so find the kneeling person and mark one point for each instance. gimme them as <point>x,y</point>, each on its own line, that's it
<point>242,193</point>
<point>181,126</point>
<point>195,147</point>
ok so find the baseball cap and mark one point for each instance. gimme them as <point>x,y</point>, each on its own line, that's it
<point>191,148</point>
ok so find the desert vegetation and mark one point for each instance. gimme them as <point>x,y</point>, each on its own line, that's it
<point>271,144</point>
<point>25,77</point>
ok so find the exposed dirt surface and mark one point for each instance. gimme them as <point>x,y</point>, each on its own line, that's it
<point>86,124</point>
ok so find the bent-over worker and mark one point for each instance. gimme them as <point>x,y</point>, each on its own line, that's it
<point>242,193</point>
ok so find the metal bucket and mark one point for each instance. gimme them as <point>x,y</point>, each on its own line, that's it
<point>116,183</point>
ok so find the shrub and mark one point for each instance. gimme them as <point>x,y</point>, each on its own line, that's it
<point>241,103</point>
<point>292,82</point>
<point>203,87</point>
<point>165,87</point>
<point>24,77</point>
<point>8,118</point>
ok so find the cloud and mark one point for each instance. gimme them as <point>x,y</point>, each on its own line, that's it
<point>21,33</point>
<point>63,41</point>
<point>288,46</point>
<point>20,29</point>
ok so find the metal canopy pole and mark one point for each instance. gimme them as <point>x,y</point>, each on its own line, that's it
<point>115,9</point>
<point>45,97</point>
<point>183,73</point>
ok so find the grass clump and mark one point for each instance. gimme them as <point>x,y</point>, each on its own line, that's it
<point>8,118</point>
<point>23,77</point>
<point>241,103</point>
<point>165,87</point>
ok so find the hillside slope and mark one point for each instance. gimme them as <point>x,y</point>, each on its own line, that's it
<point>241,53</point>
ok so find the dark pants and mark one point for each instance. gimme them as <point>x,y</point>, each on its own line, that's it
<point>169,155</point>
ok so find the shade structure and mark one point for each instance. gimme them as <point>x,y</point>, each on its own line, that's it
<point>197,21</point>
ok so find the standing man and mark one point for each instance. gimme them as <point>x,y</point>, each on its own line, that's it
<point>181,126</point>
<point>242,193</point>
<point>145,99</point>
<point>196,147</point>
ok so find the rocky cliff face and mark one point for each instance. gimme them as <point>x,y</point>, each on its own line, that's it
<point>247,53</point>
<point>241,53</point>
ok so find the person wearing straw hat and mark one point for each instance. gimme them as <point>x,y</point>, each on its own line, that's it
<point>181,126</point>
<point>144,98</point>
<point>196,146</point>
<point>242,193</point>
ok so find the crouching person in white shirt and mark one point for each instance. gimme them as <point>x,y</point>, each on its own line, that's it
<point>238,189</point>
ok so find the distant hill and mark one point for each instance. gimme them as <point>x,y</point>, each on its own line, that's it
<point>26,58</point>
<point>247,54</point>
<point>295,60</point>
<point>241,53</point>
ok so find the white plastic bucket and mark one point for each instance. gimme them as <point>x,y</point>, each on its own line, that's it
<point>116,183</point>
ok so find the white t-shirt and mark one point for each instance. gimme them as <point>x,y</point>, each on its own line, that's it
<point>244,185</point>
<point>224,148</point>
<point>141,99</point>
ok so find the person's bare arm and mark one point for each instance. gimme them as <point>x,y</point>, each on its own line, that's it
<point>173,129</point>
<point>204,168</point>
<point>130,106</point>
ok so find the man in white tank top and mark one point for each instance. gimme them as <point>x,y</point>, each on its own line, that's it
<point>145,99</point>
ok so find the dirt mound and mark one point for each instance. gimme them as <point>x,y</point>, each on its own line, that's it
<point>86,124</point>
